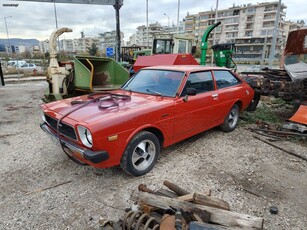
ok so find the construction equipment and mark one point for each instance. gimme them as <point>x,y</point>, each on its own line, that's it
<point>172,44</point>
<point>82,75</point>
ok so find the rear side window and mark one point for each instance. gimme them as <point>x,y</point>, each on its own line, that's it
<point>225,79</point>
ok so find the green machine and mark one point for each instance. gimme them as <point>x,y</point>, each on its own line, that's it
<point>98,73</point>
<point>222,53</point>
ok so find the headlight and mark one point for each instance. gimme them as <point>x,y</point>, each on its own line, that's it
<point>85,136</point>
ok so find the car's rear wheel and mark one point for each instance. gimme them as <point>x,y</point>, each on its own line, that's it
<point>231,120</point>
<point>141,154</point>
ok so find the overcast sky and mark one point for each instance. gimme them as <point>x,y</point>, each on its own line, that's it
<point>37,19</point>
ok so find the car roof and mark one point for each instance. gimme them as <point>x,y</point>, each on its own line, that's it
<point>186,68</point>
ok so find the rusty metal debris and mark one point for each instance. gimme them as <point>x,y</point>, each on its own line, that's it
<point>280,148</point>
<point>186,210</point>
<point>47,188</point>
<point>295,127</point>
<point>278,133</point>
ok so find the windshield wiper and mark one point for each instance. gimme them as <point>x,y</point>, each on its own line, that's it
<point>155,92</point>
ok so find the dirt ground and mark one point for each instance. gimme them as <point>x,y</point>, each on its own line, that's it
<point>247,173</point>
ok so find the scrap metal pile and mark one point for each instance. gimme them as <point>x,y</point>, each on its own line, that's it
<point>175,208</point>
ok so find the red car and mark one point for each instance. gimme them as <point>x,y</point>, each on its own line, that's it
<point>157,107</point>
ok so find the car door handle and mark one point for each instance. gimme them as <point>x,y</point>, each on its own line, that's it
<point>215,95</point>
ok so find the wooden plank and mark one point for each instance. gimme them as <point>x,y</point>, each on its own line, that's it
<point>167,193</point>
<point>188,197</point>
<point>218,216</point>
<point>210,201</point>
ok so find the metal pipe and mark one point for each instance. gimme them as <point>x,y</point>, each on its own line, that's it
<point>1,75</point>
<point>273,46</point>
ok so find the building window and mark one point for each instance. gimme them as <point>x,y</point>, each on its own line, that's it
<point>305,42</point>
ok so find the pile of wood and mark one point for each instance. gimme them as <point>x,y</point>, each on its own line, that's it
<point>198,211</point>
<point>174,208</point>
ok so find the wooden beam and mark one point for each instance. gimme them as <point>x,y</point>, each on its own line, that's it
<point>210,201</point>
<point>218,216</point>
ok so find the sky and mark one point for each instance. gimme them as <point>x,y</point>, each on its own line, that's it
<point>37,19</point>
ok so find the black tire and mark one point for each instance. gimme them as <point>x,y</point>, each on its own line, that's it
<point>253,105</point>
<point>231,120</point>
<point>141,154</point>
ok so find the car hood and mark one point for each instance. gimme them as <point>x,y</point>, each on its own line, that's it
<point>79,110</point>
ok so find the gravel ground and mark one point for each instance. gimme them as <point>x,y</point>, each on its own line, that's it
<point>230,164</point>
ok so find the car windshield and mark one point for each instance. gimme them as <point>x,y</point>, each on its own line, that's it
<point>155,82</point>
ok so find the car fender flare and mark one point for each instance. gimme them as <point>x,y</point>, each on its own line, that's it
<point>141,128</point>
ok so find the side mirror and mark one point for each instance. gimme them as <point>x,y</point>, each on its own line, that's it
<point>189,92</point>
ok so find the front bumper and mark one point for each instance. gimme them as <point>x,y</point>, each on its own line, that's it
<point>94,157</point>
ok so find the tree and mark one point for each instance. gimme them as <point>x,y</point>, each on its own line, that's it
<point>93,50</point>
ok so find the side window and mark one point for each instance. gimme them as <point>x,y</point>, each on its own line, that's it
<point>201,81</point>
<point>225,79</point>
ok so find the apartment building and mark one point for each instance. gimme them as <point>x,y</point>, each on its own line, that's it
<point>108,39</point>
<point>249,26</point>
<point>72,46</point>
<point>154,30</point>
<point>141,34</point>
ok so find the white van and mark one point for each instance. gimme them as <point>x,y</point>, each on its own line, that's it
<point>16,63</point>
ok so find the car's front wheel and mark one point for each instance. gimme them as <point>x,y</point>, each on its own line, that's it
<point>140,154</point>
<point>231,120</point>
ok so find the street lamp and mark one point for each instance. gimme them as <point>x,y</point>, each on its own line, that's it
<point>178,11</point>
<point>7,32</point>
<point>167,17</point>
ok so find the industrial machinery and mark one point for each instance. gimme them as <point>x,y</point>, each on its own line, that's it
<point>178,50</point>
<point>289,83</point>
<point>82,75</point>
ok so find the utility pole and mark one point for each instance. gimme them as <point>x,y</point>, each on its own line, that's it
<point>275,33</point>
<point>215,21</point>
<point>178,16</point>
<point>117,6</point>
<point>147,24</point>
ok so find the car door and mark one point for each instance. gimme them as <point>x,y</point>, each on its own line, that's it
<point>228,87</point>
<point>194,114</point>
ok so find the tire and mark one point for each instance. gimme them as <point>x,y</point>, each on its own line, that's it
<point>253,105</point>
<point>141,154</point>
<point>231,120</point>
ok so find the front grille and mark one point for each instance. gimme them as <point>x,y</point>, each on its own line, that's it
<point>64,129</point>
